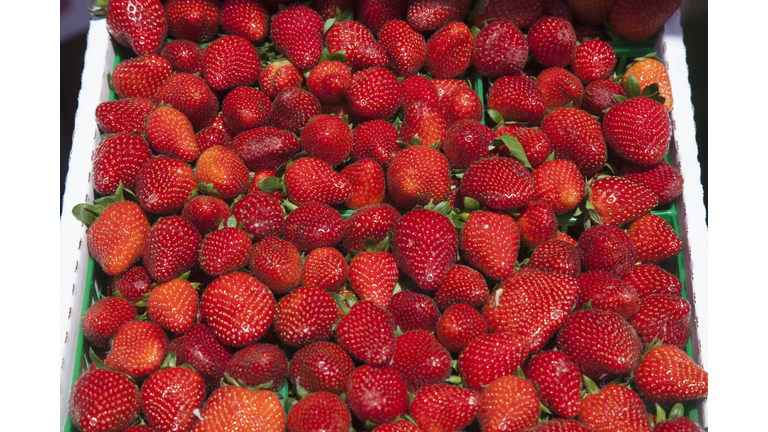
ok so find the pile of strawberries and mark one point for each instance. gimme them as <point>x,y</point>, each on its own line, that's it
<point>311,220</point>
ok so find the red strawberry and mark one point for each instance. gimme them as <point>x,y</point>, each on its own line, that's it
<point>602,344</point>
<point>117,237</point>
<point>556,256</point>
<point>375,139</point>
<point>305,316</point>
<point>422,122</point>
<point>638,129</point>
<point>418,175</point>
<point>325,268</point>
<point>131,284</point>
<point>509,403</point>
<point>510,308</point>
<point>265,148</point>
<point>171,248</point>
<point>184,56</point>
<point>170,133</point>
<point>245,108</point>
<point>404,47</point>
<point>558,183</point>
<point>103,318</point>
<point>259,214</point>
<point>245,18</point>
<point>173,305</point>
<point>518,99</point>
<point>376,394</point>
<point>636,20</point>
<point>203,352</point>
<point>362,50</point>
<point>238,308</point>
<point>138,349</point>
<point>205,213</point>
<point>467,141</point>
<point>560,88</point>
<point>191,95</point>
<point>321,366</point>
<point>221,172</point>
<point>462,103</point>
<point>368,183</point>
<point>194,20</point>
<point>292,108</point>
<point>561,425</point>
<point>462,285</point>
<point>140,76</point>
<point>618,201</point>
<point>328,138</point>
<point>606,291</point>
<point>328,81</point>
<point>606,247</point>
<point>576,136</point>
<point>591,12</point>
<point>225,250</point>
<point>647,71</point>
<point>310,179</point>
<point>534,142</point>
<point>420,88</point>
<point>498,183</point>
<point>429,15</point>
<point>238,408</point>
<point>558,382</point>
<point>328,8</point>
<point>103,400</point>
<point>170,396</point>
<point>594,60</point>
<point>279,75</point>
<point>397,426</point>
<point>649,279</point>
<point>319,411</point>
<point>314,225</point>
<point>229,62</point>
<point>521,13</point>
<point>117,160</point>
<point>491,356</point>
<point>297,32</point>
<point>123,115</point>
<point>412,310</point>
<point>374,14</point>
<point>537,223</point>
<point>145,35</point>
<point>373,276</point>
<point>499,49</point>
<point>367,333</point>
<point>277,264</point>
<point>654,238</point>
<point>444,407</point>
<point>556,8</point>
<point>615,408</point>
<point>599,96</point>
<point>490,242</point>
<point>678,424</point>
<point>664,317</point>
<point>552,41</point>
<point>449,51</point>
<point>421,360</point>
<point>374,94</point>
<point>663,180</point>
<point>448,86</point>
<point>459,325</point>
<point>373,221</point>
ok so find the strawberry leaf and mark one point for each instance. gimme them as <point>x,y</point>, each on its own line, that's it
<point>515,148</point>
<point>270,184</point>
<point>208,189</point>
<point>495,116</point>
<point>471,204</point>
<point>677,411</point>
<point>632,86</point>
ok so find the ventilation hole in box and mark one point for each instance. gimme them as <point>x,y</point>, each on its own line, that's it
<point>66,336</point>
<point>62,363</point>
<point>73,289</point>
<point>69,313</point>
<point>76,264</point>
<point>79,244</point>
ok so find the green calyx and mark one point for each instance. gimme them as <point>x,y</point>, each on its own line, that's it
<point>88,213</point>
<point>513,145</point>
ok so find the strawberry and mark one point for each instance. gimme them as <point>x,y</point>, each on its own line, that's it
<point>319,411</point>
<point>561,425</point>
<point>374,14</point>
<point>171,248</point>
<point>103,400</point>
<point>664,317</point>
<point>576,136</point>
<point>328,138</point>
<point>277,264</point>
<point>599,96</point>
<point>498,183</point>
<point>373,276</point>
<point>103,318</point>
<point>635,20</point>
<point>170,396</point>
<point>117,237</point>
<point>556,256</point>
<point>649,279</point>
<point>279,75</point>
<point>521,13</point>
<point>205,213</point>
<point>297,32</point>
<point>265,148</point>
<point>491,356</point>
<point>591,12</point>
<point>314,225</point>
<point>466,141</point>
<point>509,403</point>
<point>131,284</point>
<point>328,8</point>
<point>429,15</point>
<point>462,103</point>
<point>173,305</point>
<point>194,20</point>
<point>647,71</point>
<point>305,316</point>
<point>123,115</point>
<point>606,247</point>
<point>184,56</point>
<point>325,268</point>
<point>678,424</point>
<point>170,133</point>
<point>292,108</point>
<point>654,238</point>
<point>191,95</point>
<point>140,76</point>
<point>419,88</point>
<point>558,382</point>
<point>229,62</point>
<point>412,310</point>
<point>499,49</point>
<point>397,426</point>
<point>418,175</point>
<point>448,86</point>
<point>509,308</point>
<point>321,366</point>
<point>663,180</point>
<point>617,201</point>
<point>238,309</point>
<point>362,50</point>
<point>606,291</point>
<point>615,408</point>
<point>376,394</point>
<point>117,160</point>
<point>602,344</point>
<point>421,360</point>
<point>225,250</point>
<point>373,221</point>
<point>245,18</point>
<point>594,60</point>
<point>374,94</point>
<point>203,352</point>
<point>328,81</point>
<point>560,88</point>
<point>552,41</point>
<point>143,36</point>
<point>459,325</point>
<point>444,407</point>
<point>462,285</point>
<point>368,183</point>
<point>404,46</point>
<point>489,242</point>
<point>425,124</point>
<point>517,98</point>
<point>449,51</point>
<point>310,179</point>
<point>534,142</point>
<point>559,184</point>
<point>556,8</point>
<point>138,349</point>
<point>259,364</point>
<point>259,214</point>
<point>367,334</point>
<point>245,108</point>
<point>537,223</point>
<point>237,408</point>
<point>219,171</point>
<point>638,129</point>
<point>375,139</point>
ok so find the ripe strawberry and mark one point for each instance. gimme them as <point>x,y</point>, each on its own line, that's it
<point>103,318</point>
<point>647,71</point>
<point>418,175</point>
<point>374,94</point>
<point>654,238</point>
<point>606,247</point>
<point>499,49</point>
<point>314,225</point>
<point>205,213</point>
<point>375,139</point>
<point>498,183</point>
<point>184,56</point>
<point>373,221</point>
<point>123,115</point>
<point>599,96</point>
<point>447,86</point>
<point>265,148</point>
<point>509,308</point>
<point>145,35</point>
<point>560,88</point>
<point>220,172</point>
<point>429,15</point>
<point>678,424</point>
<point>310,179</point>
<point>449,51</point>
<point>140,76</point>
<point>203,352</point>
<point>277,264</point>
<point>459,325</point>
<point>191,95</point>
<point>663,180</point>
<point>257,365</point>
<point>606,291</point>
<point>328,81</point>
<point>509,403</point>
<point>321,366</point>
<point>462,285</point>
<point>462,103</point>
<point>324,268</point>
<point>117,160</point>
<point>467,141</point>
<point>328,8</point>
<point>397,426</point>
<point>615,408</point>
<point>602,344</point>
<point>292,108</point>
<point>319,411</point>
<point>649,279</point>
<point>404,46</point>
<point>556,256</point>
<point>374,14</point>
<point>561,425</point>
<point>618,201</point>
<point>558,382</point>
<point>131,284</point>
<point>362,50</point>
<point>521,13</point>
<point>444,407</point>
<point>170,396</point>
<point>421,360</point>
<point>305,316</point>
<point>259,214</point>
<point>492,356</point>
<point>138,349</point>
<point>238,309</point>
<point>489,242</point>
<point>245,18</point>
<point>328,138</point>
<point>594,60</point>
<point>117,237</point>
<point>367,334</point>
<point>229,62</point>
<point>559,184</point>
<point>279,75</point>
<point>170,133</point>
<point>412,310</point>
<point>245,108</point>
<point>576,136</point>
<point>373,276</point>
<point>297,32</point>
<point>103,400</point>
<point>225,250</point>
<point>556,8</point>
<point>638,129</point>
<point>368,183</point>
<point>534,142</point>
<point>376,394</point>
<point>423,122</point>
<point>173,305</point>
<point>537,224</point>
<point>518,99</point>
<point>422,89</point>
<point>591,12</point>
<point>194,20</point>
<point>171,248</point>
<point>552,41</point>
<point>238,408</point>
<point>635,20</point>
<point>664,317</point>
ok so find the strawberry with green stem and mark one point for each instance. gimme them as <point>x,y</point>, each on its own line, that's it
<point>138,349</point>
<point>170,396</point>
<point>259,365</point>
<point>103,400</point>
<point>117,160</point>
<point>173,305</point>
<point>319,411</point>
<point>304,316</point>
<point>277,264</point>
<point>143,36</point>
<point>193,97</point>
<point>321,366</point>
<point>171,248</point>
<point>509,403</point>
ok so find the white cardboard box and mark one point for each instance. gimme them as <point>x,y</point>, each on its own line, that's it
<point>99,59</point>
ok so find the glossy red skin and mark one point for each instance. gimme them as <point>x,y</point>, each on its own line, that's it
<point>194,20</point>
<point>430,15</point>
<point>619,201</point>
<point>191,95</point>
<point>328,82</point>
<point>328,138</point>
<point>498,183</point>
<point>445,407</point>
<point>117,160</point>
<point>246,18</point>
<point>319,411</point>
<point>171,248</point>
<point>560,88</point>
<point>490,242</point>
<point>374,94</point>
<point>459,325</point>
<point>102,320</point>
<point>314,225</point>
<point>556,256</point>
<point>649,279</point>
<point>297,32</point>
<point>259,364</point>
<point>662,179</point>
<point>599,96</point>
<point>449,51</point>
<point>615,406</point>
<point>375,13</point>
<point>321,366</point>
<point>140,76</point>
<point>362,49</point>
<point>606,291</point>
<point>305,316</point>
<point>200,348</point>
<point>578,137</point>
<point>518,99</point>
<point>265,148</point>
<point>376,394</point>
<point>508,403</point>
<point>558,382</point>
<point>277,264</point>
<point>376,139</point>
<point>169,397</point>
<point>462,285</point>
<point>499,49</point>
<point>594,60</point>
<point>655,239</point>
<point>606,247</point>
<point>521,13</point>
<point>663,316</point>
<point>373,221</point>
<point>123,115</point>
<point>412,310</point>
<point>404,46</point>
<point>292,108</point>
<point>103,400</point>
<point>418,175</point>
<point>205,213</point>
<point>558,183</point>
<point>368,183</point>
<point>367,333</point>
<point>229,62</point>
<point>145,36</point>
<point>639,130</point>
<point>466,141</point>
<point>537,223</point>
<point>137,349</point>
<point>552,41</point>
<point>421,360</point>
